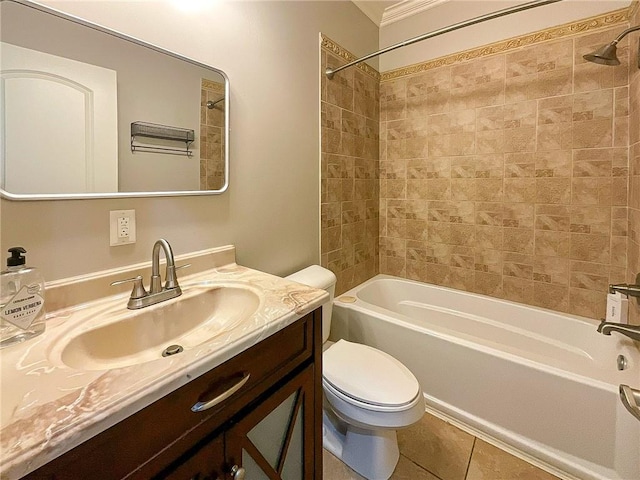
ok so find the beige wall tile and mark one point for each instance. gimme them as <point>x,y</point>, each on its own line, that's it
<point>590,248</point>
<point>517,289</point>
<point>551,270</point>
<point>552,296</point>
<point>587,302</point>
<point>553,217</point>
<point>589,276</point>
<point>518,240</point>
<point>520,190</point>
<point>553,190</point>
<point>531,157</point>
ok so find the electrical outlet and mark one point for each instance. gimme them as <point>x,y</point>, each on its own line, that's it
<point>122,227</point>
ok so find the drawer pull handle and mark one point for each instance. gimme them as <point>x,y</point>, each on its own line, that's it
<point>201,406</point>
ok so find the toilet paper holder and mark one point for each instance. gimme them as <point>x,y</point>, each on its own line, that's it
<point>631,290</point>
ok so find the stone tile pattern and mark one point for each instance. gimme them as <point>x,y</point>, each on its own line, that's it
<point>212,141</point>
<point>633,265</point>
<point>435,450</point>
<point>508,175</point>
<point>350,110</point>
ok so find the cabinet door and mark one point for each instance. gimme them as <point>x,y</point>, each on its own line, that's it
<point>206,464</point>
<point>275,441</point>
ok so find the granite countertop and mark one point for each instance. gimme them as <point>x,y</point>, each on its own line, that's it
<point>47,407</point>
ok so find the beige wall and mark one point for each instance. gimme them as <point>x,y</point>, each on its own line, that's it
<point>633,267</point>
<point>270,52</point>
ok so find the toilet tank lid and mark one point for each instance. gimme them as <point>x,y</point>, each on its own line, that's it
<point>314,276</point>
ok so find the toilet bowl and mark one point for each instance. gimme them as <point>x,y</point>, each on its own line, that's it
<point>368,395</point>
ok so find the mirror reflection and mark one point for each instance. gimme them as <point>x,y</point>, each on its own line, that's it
<point>86,113</point>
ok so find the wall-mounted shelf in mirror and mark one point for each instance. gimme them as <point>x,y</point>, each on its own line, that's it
<point>163,133</point>
<point>71,91</point>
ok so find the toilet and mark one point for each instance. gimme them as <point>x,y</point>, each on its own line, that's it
<point>368,394</point>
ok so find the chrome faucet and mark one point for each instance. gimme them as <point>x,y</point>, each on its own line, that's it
<point>170,274</point>
<point>631,331</point>
<point>140,298</point>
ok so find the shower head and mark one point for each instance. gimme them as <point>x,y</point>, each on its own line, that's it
<point>604,55</point>
<point>211,104</point>
<point>607,55</point>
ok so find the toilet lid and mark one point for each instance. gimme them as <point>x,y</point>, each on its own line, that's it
<point>368,375</point>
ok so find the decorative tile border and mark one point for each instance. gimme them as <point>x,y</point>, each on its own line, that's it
<point>337,50</point>
<point>593,23</point>
<point>213,86</point>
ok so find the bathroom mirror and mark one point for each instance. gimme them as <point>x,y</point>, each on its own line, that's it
<point>90,113</point>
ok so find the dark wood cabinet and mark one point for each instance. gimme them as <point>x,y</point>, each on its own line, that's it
<point>270,428</point>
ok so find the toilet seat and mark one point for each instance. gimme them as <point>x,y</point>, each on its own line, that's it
<point>368,378</point>
<point>331,390</point>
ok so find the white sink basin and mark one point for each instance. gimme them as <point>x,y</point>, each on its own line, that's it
<point>131,337</point>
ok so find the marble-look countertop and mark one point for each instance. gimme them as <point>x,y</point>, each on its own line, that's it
<point>48,408</point>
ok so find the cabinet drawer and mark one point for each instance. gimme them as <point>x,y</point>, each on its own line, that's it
<point>133,443</point>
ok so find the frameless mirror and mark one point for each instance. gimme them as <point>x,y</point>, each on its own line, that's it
<point>90,113</point>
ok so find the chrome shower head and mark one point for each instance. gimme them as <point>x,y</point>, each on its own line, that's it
<point>604,56</point>
<point>211,104</point>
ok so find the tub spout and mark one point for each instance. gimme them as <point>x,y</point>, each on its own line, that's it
<point>631,331</point>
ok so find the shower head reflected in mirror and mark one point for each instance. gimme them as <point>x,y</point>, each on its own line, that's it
<point>607,55</point>
<point>211,104</point>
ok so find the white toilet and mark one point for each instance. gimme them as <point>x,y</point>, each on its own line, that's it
<point>368,395</point>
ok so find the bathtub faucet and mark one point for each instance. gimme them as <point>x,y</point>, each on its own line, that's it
<point>631,331</point>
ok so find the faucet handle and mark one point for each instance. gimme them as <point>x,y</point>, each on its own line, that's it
<point>138,288</point>
<point>172,280</point>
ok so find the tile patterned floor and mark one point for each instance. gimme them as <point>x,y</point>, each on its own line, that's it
<point>435,450</point>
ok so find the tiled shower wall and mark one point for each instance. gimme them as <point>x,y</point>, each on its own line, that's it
<point>507,175</point>
<point>212,141</point>
<point>349,191</point>
<point>503,174</point>
<point>634,163</point>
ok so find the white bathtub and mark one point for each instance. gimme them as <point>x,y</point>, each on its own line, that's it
<point>540,383</point>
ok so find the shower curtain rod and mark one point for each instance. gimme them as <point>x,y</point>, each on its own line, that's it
<point>483,18</point>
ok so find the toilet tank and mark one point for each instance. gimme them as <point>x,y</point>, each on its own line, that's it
<point>319,277</point>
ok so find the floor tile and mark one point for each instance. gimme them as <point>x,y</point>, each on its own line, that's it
<point>407,470</point>
<point>440,448</point>
<point>491,463</point>
<point>334,469</point>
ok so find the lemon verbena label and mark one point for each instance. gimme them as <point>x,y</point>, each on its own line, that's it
<point>24,307</point>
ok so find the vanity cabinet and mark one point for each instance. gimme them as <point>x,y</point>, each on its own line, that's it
<point>269,428</point>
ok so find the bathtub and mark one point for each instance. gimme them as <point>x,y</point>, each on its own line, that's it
<point>541,384</point>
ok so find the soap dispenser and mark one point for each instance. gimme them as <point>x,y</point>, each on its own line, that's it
<point>22,311</point>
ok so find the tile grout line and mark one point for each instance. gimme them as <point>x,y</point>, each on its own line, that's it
<point>420,466</point>
<point>466,474</point>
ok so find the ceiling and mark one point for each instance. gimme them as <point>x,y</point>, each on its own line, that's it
<point>383,13</point>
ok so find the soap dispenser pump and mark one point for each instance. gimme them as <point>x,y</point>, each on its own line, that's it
<point>22,311</point>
